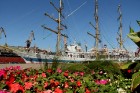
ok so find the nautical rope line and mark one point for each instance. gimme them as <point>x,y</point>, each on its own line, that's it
<point>71,13</point>
<point>106,35</point>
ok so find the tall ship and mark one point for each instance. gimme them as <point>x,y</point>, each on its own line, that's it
<point>72,52</point>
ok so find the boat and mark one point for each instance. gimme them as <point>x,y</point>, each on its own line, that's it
<point>72,52</point>
<point>7,55</point>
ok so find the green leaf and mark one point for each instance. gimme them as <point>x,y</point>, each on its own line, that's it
<point>135,75</point>
<point>131,30</point>
<point>28,91</point>
<point>2,86</point>
<point>135,80</point>
<point>40,87</point>
<point>69,91</point>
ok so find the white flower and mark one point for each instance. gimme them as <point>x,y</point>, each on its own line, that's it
<point>121,90</point>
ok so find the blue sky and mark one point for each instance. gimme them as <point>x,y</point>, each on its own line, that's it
<point>20,17</point>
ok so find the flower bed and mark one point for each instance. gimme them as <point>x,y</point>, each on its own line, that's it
<point>17,80</point>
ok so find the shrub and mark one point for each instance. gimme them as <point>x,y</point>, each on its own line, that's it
<point>109,66</point>
<point>55,63</point>
<point>73,67</point>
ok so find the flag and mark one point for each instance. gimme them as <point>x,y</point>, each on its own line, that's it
<point>131,30</point>
<point>138,22</point>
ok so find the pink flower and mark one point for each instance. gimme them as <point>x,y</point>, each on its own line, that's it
<point>58,70</point>
<point>2,72</point>
<point>66,85</point>
<point>71,79</point>
<point>82,73</point>
<point>45,84</point>
<point>48,91</point>
<point>28,85</point>
<point>101,82</point>
<point>92,72</point>
<point>43,75</point>
<point>76,73</point>
<point>17,68</point>
<point>3,91</point>
<point>97,82</point>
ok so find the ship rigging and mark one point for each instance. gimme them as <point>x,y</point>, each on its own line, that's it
<point>60,27</point>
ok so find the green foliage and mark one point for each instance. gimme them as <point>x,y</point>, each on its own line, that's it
<point>125,65</point>
<point>135,80</point>
<point>107,66</point>
<point>137,67</point>
<point>46,64</point>
<point>73,67</point>
<point>55,63</point>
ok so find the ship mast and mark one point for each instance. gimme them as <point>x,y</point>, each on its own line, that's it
<point>120,39</point>
<point>60,26</point>
<point>96,27</point>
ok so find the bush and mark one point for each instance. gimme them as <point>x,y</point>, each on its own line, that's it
<point>55,63</point>
<point>73,67</point>
<point>109,66</point>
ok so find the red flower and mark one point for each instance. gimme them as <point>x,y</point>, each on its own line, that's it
<point>51,81</point>
<point>21,88</point>
<point>49,70</point>
<point>10,80</point>
<point>57,90</point>
<point>78,83</point>
<point>87,90</point>
<point>14,87</point>
<point>129,71</point>
<point>66,73</point>
<point>56,83</point>
<point>28,85</point>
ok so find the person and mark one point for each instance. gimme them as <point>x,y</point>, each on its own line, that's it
<point>28,43</point>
